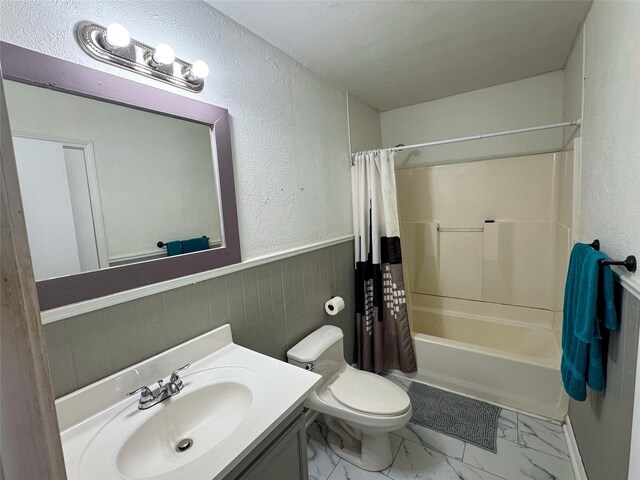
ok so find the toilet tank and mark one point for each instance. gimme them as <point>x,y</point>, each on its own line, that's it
<point>321,352</point>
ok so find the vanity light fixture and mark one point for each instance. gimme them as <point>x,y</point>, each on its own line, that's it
<point>199,69</point>
<point>162,55</point>
<point>116,37</point>
<point>113,45</point>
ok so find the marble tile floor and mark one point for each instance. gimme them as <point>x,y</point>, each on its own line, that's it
<point>528,448</point>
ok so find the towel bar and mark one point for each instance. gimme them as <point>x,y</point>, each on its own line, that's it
<point>629,263</point>
<point>460,229</point>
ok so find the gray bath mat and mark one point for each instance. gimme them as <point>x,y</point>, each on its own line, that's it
<point>461,417</point>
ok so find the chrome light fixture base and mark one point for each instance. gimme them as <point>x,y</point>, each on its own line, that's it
<point>135,57</point>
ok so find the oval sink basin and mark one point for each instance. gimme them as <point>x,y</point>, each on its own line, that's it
<point>143,444</point>
<point>206,417</point>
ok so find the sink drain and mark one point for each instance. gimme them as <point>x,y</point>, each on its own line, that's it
<point>184,445</point>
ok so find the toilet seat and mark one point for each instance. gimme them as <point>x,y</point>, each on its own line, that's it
<point>368,393</point>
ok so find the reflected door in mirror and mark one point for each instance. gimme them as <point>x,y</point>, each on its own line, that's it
<point>57,208</point>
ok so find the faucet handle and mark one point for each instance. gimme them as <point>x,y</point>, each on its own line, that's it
<point>175,378</point>
<point>174,375</point>
<point>144,391</point>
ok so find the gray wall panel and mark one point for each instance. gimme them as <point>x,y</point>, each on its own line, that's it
<point>253,338</point>
<point>270,309</point>
<point>219,303</point>
<point>265,307</point>
<point>602,423</point>
<point>277,302</point>
<point>236,306</point>
<point>60,355</point>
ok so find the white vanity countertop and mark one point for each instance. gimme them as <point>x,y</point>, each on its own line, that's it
<point>105,436</point>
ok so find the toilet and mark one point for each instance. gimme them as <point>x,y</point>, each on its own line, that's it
<point>360,408</point>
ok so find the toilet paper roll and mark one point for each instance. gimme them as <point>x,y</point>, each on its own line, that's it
<point>334,305</point>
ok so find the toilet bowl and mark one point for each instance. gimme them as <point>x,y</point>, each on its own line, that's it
<point>360,408</point>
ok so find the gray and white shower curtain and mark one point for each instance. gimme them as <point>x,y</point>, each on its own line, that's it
<point>382,324</point>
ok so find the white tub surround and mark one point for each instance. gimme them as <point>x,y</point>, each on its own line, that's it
<point>232,399</point>
<point>494,231</point>
<point>499,353</point>
<point>487,280</point>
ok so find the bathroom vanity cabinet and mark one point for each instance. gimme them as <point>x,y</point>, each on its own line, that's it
<point>261,399</point>
<point>280,456</point>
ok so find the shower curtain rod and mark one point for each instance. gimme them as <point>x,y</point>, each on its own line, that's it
<point>482,136</point>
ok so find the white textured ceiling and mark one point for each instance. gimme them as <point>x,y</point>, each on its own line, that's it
<point>396,53</point>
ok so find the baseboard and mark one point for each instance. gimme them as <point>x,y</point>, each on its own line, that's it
<point>576,460</point>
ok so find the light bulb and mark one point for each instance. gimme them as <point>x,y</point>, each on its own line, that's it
<point>199,69</point>
<point>117,36</point>
<point>163,54</point>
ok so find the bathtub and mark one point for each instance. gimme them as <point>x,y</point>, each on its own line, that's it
<point>500,353</point>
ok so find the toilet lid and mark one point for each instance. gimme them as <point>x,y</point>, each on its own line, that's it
<point>369,393</point>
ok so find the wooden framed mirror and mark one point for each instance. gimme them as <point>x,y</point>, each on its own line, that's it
<point>123,184</point>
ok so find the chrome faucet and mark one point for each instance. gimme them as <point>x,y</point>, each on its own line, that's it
<point>149,398</point>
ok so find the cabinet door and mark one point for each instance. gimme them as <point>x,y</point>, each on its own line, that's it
<point>284,459</point>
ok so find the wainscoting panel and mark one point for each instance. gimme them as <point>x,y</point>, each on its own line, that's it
<point>602,423</point>
<point>270,308</point>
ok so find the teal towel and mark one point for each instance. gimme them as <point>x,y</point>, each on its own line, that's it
<point>174,248</point>
<point>588,296</point>
<point>195,244</point>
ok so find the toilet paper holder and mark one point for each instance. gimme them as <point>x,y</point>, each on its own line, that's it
<point>334,305</point>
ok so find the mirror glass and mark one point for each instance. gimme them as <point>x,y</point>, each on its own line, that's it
<point>106,185</point>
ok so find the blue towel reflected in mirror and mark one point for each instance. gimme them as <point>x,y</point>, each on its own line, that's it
<point>195,244</point>
<point>178,247</point>
<point>174,248</point>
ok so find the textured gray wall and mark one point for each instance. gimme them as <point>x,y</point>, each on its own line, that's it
<point>602,423</point>
<point>270,308</point>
